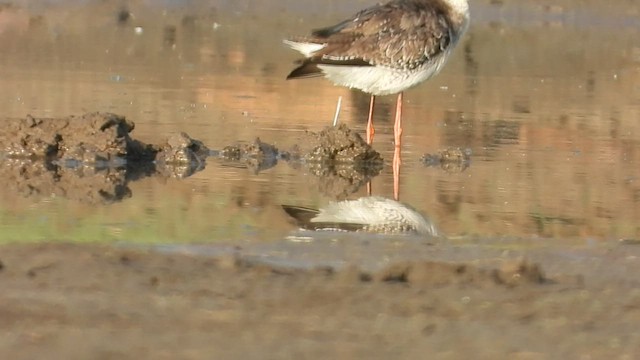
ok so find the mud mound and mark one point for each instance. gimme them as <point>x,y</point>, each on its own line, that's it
<point>181,156</point>
<point>89,158</point>
<point>89,139</point>
<point>256,156</point>
<point>339,144</point>
<point>342,161</point>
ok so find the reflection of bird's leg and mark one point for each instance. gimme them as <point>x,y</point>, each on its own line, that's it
<point>370,130</point>
<point>397,132</point>
<point>370,133</point>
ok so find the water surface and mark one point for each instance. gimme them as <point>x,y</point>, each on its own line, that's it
<point>545,96</point>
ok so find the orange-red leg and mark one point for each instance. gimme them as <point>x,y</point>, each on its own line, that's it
<point>397,161</point>
<point>370,130</point>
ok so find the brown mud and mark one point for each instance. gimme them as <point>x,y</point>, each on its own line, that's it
<point>93,157</point>
<point>256,156</point>
<point>98,302</point>
<point>89,158</point>
<point>90,139</point>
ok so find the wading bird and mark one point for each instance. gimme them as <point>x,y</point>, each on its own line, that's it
<point>384,50</point>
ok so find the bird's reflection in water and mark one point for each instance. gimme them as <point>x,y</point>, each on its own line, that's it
<point>373,214</point>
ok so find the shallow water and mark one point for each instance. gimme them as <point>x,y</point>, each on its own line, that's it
<point>545,96</point>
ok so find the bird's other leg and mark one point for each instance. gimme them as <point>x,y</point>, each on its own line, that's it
<point>397,132</point>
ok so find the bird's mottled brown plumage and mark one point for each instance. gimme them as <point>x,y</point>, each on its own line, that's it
<point>385,49</point>
<point>401,34</point>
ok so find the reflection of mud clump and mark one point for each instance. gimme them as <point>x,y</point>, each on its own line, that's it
<point>343,161</point>
<point>40,179</point>
<point>452,160</point>
<point>257,155</point>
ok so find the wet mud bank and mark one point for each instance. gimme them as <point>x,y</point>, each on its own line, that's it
<point>92,301</point>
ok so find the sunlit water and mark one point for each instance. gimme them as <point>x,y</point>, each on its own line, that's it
<point>546,97</point>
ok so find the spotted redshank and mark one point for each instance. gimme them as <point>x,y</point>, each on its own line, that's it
<point>370,214</point>
<point>384,50</point>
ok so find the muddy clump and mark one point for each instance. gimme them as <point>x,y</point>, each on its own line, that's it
<point>342,161</point>
<point>89,138</point>
<point>339,144</point>
<point>43,180</point>
<point>181,156</point>
<point>256,156</point>
<point>338,156</point>
<point>93,138</point>
<point>451,160</point>
<point>89,158</point>
<point>95,151</point>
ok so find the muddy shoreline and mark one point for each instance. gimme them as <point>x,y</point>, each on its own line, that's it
<point>128,304</point>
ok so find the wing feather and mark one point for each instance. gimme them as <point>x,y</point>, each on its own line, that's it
<point>397,34</point>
